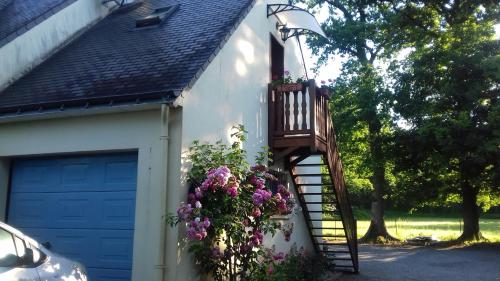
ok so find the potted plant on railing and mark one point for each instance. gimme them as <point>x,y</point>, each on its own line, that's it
<point>326,90</point>
<point>287,84</point>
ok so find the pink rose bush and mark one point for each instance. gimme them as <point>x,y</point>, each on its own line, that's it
<point>228,210</point>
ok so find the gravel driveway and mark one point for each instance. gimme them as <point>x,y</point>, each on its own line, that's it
<point>478,262</point>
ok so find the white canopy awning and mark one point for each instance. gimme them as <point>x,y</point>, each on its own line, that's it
<point>297,20</point>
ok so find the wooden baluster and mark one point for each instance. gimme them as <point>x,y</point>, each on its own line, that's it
<point>312,112</point>
<point>304,109</point>
<point>295,110</point>
<point>325,109</point>
<point>271,105</point>
<point>287,111</point>
<point>279,111</point>
<point>320,115</point>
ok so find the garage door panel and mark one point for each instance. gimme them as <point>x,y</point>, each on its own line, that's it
<point>77,174</point>
<point>94,248</point>
<point>105,210</point>
<point>84,206</point>
<point>108,274</point>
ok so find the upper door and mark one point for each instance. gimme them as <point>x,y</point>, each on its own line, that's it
<point>277,59</point>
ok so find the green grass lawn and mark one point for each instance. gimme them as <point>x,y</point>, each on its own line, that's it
<point>442,227</point>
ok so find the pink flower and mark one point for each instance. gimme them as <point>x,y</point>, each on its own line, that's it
<point>216,178</point>
<point>279,256</point>
<point>233,191</point>
<point>257,199</point>
<point>206,223</point>
<point>197,230</point>
<point>197,204</point>
<point>258,168</point>
<point>257,238</point>
<point>259,183</point>
<point>184,211</point>
<point>287,73</point>
<point>198,193</point>
<point>191,198</point>
<point>244,248</point>
<point>246,222</point>
<point>270,270</point>
<point>216,253</point>
<point>256,213</point>
<point>261,196</point>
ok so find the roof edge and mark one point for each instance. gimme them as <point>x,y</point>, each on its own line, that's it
<point>113,100</point>
<point>34,22</point>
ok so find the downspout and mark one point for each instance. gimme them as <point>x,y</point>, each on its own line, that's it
<point>164,139</point>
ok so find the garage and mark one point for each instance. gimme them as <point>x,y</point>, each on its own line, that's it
<point>83,205</point>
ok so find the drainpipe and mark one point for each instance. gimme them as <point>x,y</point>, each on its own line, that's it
<point>164,139</point>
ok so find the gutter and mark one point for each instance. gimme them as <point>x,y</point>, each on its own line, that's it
<point>89,106</point>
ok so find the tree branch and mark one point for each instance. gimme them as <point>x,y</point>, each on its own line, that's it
<point>342,8</point>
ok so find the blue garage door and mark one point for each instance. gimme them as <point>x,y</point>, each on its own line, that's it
<point>84,206</point>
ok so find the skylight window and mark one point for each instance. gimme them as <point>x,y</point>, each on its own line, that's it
<point>156,17</point>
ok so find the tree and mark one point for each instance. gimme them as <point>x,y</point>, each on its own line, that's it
<point>448,91</point>
<point>364,32</point>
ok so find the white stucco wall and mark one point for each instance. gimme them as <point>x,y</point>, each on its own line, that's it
<point>231,91</point>
<point>127,131</point>
<point>32,47</point>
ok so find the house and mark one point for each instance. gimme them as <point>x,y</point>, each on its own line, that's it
<point>99,101</point>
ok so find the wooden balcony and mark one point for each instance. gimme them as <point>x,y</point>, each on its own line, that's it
<point>298,118</point>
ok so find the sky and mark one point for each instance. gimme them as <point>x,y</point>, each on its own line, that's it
<point>332,69</point>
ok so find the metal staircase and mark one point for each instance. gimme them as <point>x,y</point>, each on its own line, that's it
<point>301,132</point>
<point>318,199</point>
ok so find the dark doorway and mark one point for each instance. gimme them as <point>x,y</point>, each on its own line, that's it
<point>277,59</point>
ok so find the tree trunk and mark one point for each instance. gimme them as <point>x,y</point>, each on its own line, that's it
<point>377,225</point>
<point>470,212</point>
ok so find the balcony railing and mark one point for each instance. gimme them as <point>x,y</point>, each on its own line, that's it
<point>298,116</point>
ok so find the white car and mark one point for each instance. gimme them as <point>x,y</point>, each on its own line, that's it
<point>23,259</point>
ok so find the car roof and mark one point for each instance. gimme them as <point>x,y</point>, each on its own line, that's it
<point>19,234</point>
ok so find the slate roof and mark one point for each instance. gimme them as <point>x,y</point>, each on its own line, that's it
<point>114,61</point>
<point>19,16</point>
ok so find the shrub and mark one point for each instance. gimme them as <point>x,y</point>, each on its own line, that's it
<point>297,265</point>
<point>229,209</point>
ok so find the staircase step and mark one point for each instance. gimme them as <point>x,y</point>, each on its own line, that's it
<point>309,165</point>
<point>316,193</point>
<point>310,175</point>
<point>318,203</point>
<point>329,235</point>
<point>342,259</point>
<point>323,212</point>
<point>328,228</point>
<point>323,220</point>
<point>335,252</point>
<point>314,184</point>
<point>344,266</point>
<point>332,244</point>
